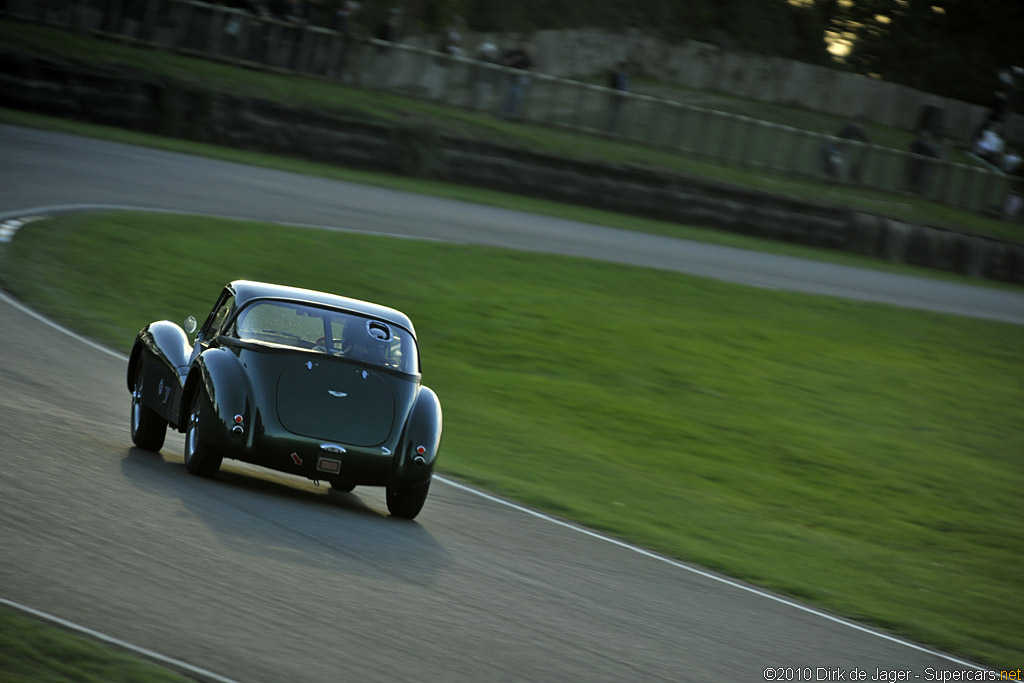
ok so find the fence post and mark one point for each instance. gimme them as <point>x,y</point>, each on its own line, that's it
<point>581,96</point>
<point>184,12</point>
<point>700,140</point>
<point>744,153</point>
<point>794,152</point>
<point>215,33</point>
<point>990,186</point>
<point>967,190</point>
<point>80,11</point>
<point>149,14</point>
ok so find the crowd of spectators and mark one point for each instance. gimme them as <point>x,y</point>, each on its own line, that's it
<point>347,20</point>
<point>842,156</point>
<point>990,146</point>
<point>990,143</point>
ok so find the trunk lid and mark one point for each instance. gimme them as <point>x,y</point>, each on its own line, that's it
<point>336,401</point>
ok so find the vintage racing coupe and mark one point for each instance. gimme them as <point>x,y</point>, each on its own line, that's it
<point>298,381</point>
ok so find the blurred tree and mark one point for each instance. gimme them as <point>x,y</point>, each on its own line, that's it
<point>774,27</point>
<point>948,47</point>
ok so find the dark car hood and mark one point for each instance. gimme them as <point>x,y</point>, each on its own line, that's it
<point>335,401</point>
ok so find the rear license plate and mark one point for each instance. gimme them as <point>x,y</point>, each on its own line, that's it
<point>329,465</point>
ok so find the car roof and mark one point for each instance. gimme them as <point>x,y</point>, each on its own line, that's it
<point>247,290</point>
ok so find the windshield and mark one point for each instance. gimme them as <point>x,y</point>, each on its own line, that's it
<point>302,326</point>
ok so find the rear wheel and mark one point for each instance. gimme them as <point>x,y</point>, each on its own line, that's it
<point>148,428</point>
<point>406,502</point>
<point>200,459</point>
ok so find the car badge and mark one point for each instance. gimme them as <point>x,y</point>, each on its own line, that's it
<point>365,374</point>
<point>309,365</point>
<point>337,394</point>
<point>296,459</point>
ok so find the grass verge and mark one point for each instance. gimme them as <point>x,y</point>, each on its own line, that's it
<point>858,456</point>
<point>31,650</point>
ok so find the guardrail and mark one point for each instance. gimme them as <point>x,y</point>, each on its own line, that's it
<point>228,34</point>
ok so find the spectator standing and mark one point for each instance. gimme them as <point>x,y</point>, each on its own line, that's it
<point>1006,83</point>
<point>521,59</point>
<point>451,39</point>
<point>344,24</point>
<point>249,35</point>
<point>919,165</point>
<point>235,25</point>
<point>486,78</point>
<point>838,161</point>
<point>344,18</point>
<point>989,145</point>
<point>387,30</point>
<point>854,154</point>
<point>618,80</point>
<point>299,12</point>
<point>450,46</point>
<point>1013,208</point>
<point>279,9</point>
<point>1011,161</point>
<point>831,160</point>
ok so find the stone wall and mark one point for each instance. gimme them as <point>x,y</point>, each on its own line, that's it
<point>118,98</point>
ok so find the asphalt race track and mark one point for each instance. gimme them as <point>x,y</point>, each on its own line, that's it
<point>256,580</point>
<point>42,169</point>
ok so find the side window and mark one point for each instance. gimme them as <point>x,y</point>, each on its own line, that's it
<point>215,323</point>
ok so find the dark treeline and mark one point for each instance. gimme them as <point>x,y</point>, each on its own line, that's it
<point>953,48</point>
<point>770,27</point>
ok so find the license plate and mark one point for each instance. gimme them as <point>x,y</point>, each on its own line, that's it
<point>329,465</point>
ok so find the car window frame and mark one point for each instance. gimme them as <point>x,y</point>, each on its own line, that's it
<point>209,332</point>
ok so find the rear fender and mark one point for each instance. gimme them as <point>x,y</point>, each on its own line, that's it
<point>163,350</point>
<point>219,375</point>
<point>422,440</point>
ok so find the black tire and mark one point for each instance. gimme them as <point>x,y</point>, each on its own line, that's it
<point>200,458</point>
<point>148,428</point>
<point>406,502</point>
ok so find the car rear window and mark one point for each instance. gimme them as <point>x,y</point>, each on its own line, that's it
<point>330,331</point>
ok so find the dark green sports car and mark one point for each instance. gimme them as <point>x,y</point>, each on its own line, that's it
<point>304,382</point>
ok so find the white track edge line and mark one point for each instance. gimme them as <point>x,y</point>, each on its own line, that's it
<point>7,298</point>
<point>708,575</point>
<point>534,513</point>
<point>149,654</point>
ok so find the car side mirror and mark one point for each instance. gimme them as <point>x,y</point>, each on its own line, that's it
<point>190,324</point>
